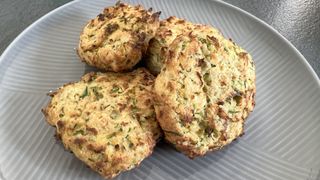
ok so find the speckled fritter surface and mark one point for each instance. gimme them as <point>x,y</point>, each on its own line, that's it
<point>205,91</point>
<point>106,119</point>
<point>117,38</point>
<point>169,29</point>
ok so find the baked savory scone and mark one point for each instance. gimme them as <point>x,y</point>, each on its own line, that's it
<point>204,92</point>
<point>169,29</point>
<point>106,119</point>
<point>117,39</point>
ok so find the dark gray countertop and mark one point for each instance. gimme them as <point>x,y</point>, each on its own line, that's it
<point>298,20</point>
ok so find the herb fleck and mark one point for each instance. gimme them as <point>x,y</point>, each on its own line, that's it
<point>184,46</point>
<point>80,131</point>
<point>116,89</point>
<point>85,92</point>
<point>233,111</point>
<point>215,133</point>
<point>134,109</point>
<point>114,114</point>
<point>96,92</point>
<point>111,135</point>
<point>207,78</point>
<point>134,101</point>
<point>202,40</point>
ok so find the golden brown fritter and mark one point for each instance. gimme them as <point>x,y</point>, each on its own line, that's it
<point>106,119</point>
<point>204,92</point>
<point>169,29</point>
<point>117,38</point>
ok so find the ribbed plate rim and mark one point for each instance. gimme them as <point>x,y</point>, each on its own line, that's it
<point>295,53</point>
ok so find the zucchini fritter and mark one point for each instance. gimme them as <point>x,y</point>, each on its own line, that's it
<point>106,119</point>
<point>117,39</point>
<point>204,92</point>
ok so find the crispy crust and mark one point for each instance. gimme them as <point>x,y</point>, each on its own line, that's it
<point>106,119</point>
<point>204,92</point>
<point>169,29</point>
<point>117,38</point>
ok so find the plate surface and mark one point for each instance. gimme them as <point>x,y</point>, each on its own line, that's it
<point>282,139</point>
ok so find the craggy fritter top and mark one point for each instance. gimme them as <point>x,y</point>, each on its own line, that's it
<point>117,39</point>
<point>204,92</point>
<point>169,29</point>
<point>107,119</point>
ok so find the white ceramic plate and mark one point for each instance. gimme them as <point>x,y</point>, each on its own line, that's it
<point>282,139</point>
